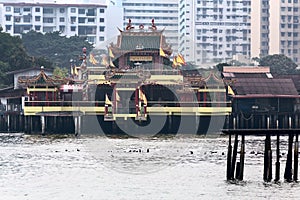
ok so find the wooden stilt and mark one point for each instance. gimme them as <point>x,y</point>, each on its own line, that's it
<point>8,123</point>
<point>237,172</point>
<point>268,159</point>
<point>229,158</point>
<point>234,156</point>
<point>277,173</point>
<point>288,166</point>
<point>43,124</point>
<point>296,158</point>
<point>242,159</point>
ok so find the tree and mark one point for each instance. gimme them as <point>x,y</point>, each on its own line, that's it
<point>54,47</point>
<point>60,72</point>
<point>279,64</point>
<point>13,56</point>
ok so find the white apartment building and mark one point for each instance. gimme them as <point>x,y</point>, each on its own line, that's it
<point>214,31</point>
<point>260,28</point>
<point>164,13</point>
<point>282,36</point>
<point>89,20</point>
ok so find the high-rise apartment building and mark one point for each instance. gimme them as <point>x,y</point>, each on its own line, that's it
<point>214,31</point>
<point>281,36</point>
<point>260,28</point>
<point>88,20</point>
<point>164,13</point>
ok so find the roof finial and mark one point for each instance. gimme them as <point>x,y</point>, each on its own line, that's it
<point>153,27</point>
<point>128,27</point>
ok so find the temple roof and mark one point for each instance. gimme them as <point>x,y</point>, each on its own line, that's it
<point>42,80</point>
<point>132,42</point>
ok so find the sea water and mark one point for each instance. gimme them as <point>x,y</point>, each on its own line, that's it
<point>97,167</point>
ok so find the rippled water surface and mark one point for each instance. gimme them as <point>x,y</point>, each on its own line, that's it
<point>94,167</point>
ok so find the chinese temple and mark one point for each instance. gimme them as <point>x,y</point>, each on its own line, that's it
<point>139,84</point>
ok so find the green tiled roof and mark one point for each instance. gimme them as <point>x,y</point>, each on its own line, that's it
<point>148,42</point>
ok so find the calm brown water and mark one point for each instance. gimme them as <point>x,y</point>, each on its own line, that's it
<point>93,167</point>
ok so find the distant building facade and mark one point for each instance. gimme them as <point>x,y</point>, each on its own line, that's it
<point>275,28</point>
<point>164,13</point>
<point>88,20</point>
<point>214,31</point>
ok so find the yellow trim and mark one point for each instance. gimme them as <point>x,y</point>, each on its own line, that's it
<point>126,89</point>
<point>212,90</point>
<point>41,90</point>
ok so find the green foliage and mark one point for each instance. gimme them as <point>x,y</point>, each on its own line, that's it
<point>279,64</point>
<point>60,72</point>
<point>13,57</point>
<point>54,47</point>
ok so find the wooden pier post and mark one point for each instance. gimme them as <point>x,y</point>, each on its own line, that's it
<point>229,152</point>
<point>242,159</point>
<point>235,146</point>
<point>296,148</point>
<point>277,164</point>
<point>288,166</point>
<point>43,124</point>
<point>268,159</point>
<point>8,123</point>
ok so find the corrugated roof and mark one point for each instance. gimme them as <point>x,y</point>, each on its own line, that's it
<point>294,77</point>
<point>146,42</point>
<point>264,86</point>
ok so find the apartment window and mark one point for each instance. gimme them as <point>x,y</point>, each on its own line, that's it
<point>73,20</point>
<point>101,28</point>
<point>81,20</point>
<point>101,20</point>
<point>26,9</point>
<point>101,38</point>
<point>62,10</point>
<point>61,19</point>
<point>37,9</point>
<point>91,20</point>
<point>48,10</point>
<point>81,11</point>
<point>101,10</point>
<point>73,10</point>
<point>37,28</point>
<point>17,19</point>
<point>8,8</point>
<point>48,20</point>
<point>8,27</point>
<point>17,10</point>
<point>62,29</point>
<point>91,12</point>
<point>8,17</point>
<point>27,18</point>
<point>73,28</point>
<point>48,29</point>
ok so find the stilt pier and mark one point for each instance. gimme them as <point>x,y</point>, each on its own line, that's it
<point>235,169</point>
